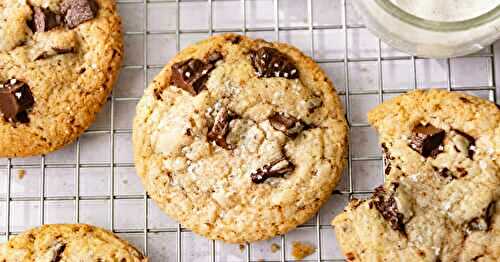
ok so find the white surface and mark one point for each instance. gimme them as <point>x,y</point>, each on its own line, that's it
<point>105,157</point>
<point>446,10</point>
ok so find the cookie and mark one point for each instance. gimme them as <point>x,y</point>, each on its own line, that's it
<point>59,60</point>
<point>68,242</point>
<point>240,139</point>
<point>440,199</point>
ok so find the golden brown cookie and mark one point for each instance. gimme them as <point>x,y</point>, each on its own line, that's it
<point>440,200</point>
<point>68,242</point>
<point>59,60</point>
<point>240,139</point>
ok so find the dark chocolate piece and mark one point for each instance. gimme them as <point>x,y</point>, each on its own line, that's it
<point>445,172</point>
<point>219,130</point>
<point>472,142</point>
<point>77,12</point>
<point>483,222</point>
<point>44,19</point>
<point>388,208</point>
<point>15,100</point>
<point>57,51</point>
<point>427,140</point>
<point>465,100</point>
<point>269,62</point>
<point>287,124</point>
<point>461,172</point>
<point>277,168</point>
<point>387,159</point>
<point>58,251</point>
<point>64,50</point>
<point>213,57</point>
<point>192,74</point>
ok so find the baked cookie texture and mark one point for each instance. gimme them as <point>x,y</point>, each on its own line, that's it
<point>59,60</point>
<point>240,139</point>
<point>68,242</point>
<point>440,200</point>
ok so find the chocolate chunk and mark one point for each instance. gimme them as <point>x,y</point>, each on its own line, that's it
<point>465,100</point>
<point>287,124</point>
<point>387,159</point>
<point>445,172</point>
<point>55,252</point>
<point>44,19</point>
<point>461,172</point>
<point>58,251</point>
<point>269,62</point>
<point>277,168</point>
<point>472,143</point>
<point>77,12</point>
<point>64,50</point>
<point>213,57</point>
<point>192,74</point>
<point>388,208</point>
<point>15,100</point>
<point>235,39</point>
<point>483,223</point>
<point>219,130</point>
<point>427,140</point>
<point>56,51</point>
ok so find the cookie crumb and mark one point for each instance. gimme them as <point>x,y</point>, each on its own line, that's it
<point>21,173</point>
<point>302,250</point>
<point>242,247</point>
<point>275,248</point>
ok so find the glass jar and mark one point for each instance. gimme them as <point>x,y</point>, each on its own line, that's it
<point>430,28</point>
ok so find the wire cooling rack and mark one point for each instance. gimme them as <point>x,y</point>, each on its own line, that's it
<point>93,180</point>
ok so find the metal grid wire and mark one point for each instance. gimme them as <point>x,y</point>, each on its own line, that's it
<point>110,166</point>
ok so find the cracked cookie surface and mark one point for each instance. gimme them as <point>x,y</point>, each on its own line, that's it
<point>59,60</point>
<point>238,151</point>
<point>68,242</point>
<point>440,199</point>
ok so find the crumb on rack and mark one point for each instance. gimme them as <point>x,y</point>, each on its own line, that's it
<point>275,248</point>
<point>242,247</point>
<point>301,250</point>
<point>21,173</point>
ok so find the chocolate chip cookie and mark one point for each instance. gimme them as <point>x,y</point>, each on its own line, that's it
<point>67,242</point>
<point>240,139</point>
<point>59,60</point>
<point>441,197</point>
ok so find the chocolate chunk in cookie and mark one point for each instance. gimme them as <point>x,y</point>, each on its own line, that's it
<point>277,168</point>
<point>192,74</point>
<point>77,12</point>
<point>56,251</point>
<point>44,19</point>
<point>213,57</point>
<point>386,205</point>
<point>287,124</point>
<point>483,222</point>
<point>269,62</point>
<point>471,141</point>
<point>387,159</point>
<point>219,130</point>
<point>427,140</point>
<point>55,51</point>
<point>15,100</point>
